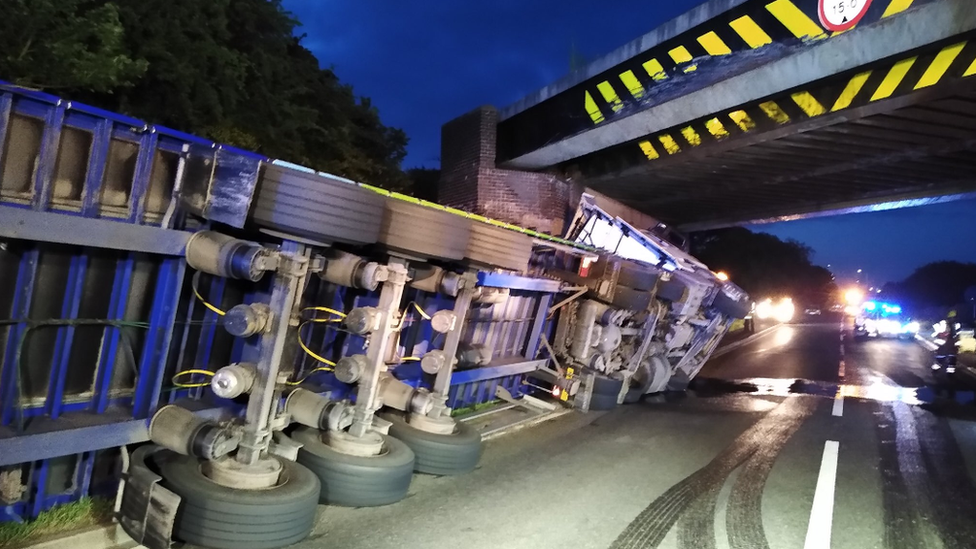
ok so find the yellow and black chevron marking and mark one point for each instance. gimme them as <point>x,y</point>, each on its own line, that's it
<point>754,26</point>
<point>945,63</point>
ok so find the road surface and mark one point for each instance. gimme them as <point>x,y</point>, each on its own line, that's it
<point>797,439</point>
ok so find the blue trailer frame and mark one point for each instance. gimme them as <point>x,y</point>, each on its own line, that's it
<point>74,385</point>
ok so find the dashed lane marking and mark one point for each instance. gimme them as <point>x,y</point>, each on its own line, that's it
<point>838,410</point>
<point>822,512</point>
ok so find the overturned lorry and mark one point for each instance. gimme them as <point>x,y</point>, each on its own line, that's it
<point>266,337</point>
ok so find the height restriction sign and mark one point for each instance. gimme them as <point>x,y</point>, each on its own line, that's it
<point>841,15</point>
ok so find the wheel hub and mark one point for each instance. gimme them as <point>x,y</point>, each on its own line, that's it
<point>233,474</point>
<point>441,425</point>
<point>370,444</point>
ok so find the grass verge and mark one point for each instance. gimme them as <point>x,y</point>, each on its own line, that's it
<point>84,513</point>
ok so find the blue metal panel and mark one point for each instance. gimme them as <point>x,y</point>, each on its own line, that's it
<point>97,160</point>
<point>38,478</point>
<point>84,473</point>
<point>121,287</point>
<point>9,374</point>
<point>155,352</point>
<point>6,101</point>
<point>77,120</point>
<point>62,345</point>
<point>140,179</point>
<point>493,372</point>
<point>516,282</point>
<point>49,99</point>
<point>538,325</point>
<point>47,157</point>
<point>218,184</point>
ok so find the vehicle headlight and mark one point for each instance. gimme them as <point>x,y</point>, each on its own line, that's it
<point>889,326</point>
<point>912,327</point>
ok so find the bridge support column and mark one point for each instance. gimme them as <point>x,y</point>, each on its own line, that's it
<point>470,180</point>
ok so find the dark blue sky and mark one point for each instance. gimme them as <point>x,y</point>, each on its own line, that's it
<point>424,63</point>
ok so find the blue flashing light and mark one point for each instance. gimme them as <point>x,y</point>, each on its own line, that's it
<point>891,309</point>
<point>870,306</point>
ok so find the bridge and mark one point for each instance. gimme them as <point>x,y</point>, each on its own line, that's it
<point>756,110</point>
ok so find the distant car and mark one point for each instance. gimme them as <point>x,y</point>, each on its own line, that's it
<point>883,320</point>
<point>812,311</point>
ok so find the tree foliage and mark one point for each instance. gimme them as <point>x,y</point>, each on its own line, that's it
<point>764,265</point>
<point>231,70</point>
<point>938,285</point>
<point>65,44</point>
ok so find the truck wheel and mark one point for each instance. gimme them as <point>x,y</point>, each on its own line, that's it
<point>630,299</point>
<point>495,247</point>
<point>672,290</point>
<point>605,393</point>
<point>600,402</point>
<point>637,276</point>
<point>603,385</point>
<point>216,516</point>
<point>357,481</point>
<point>421,231</point>
<point>453,454</point>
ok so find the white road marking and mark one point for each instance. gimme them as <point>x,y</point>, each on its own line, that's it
<point>839,406</point>
<point>822,513</point>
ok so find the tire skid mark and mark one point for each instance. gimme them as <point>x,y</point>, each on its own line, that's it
<point>905,483</point>
<point>696,527</point>
<point>681,501</point>
<point>953,492</point>
<point>744,515</point>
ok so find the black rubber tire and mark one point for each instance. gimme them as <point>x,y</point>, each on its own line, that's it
<point>495,247</point>
<point>729,307</point>
<point>316,206</point>
<point>630,299</point>
<point>219,517</point>
<point>672,290</point>
<point>603,385</point>
<point>354,481</point>
<point>453,454</point>
<point>599,403</point>
<point>424,232</point>
<point>637,276</point>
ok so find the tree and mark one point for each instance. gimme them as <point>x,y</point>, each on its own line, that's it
<point>937,285</point>
<point>66,44</point>
<point>764,265</point>
<point>230,70</point>
<point>423,182</point>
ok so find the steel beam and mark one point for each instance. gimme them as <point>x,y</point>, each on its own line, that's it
<point>495,372</point>
<point>516,282</point>
<point>61,228</point>
<point>928,24</point>
<point>925,197</point>
<point>49,438</point>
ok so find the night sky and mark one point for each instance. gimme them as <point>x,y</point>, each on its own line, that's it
<point>424,63</point>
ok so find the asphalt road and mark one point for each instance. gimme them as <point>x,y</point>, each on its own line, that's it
<point>799,438</point>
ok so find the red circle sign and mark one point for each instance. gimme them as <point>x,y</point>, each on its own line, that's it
<point>841,15</point>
